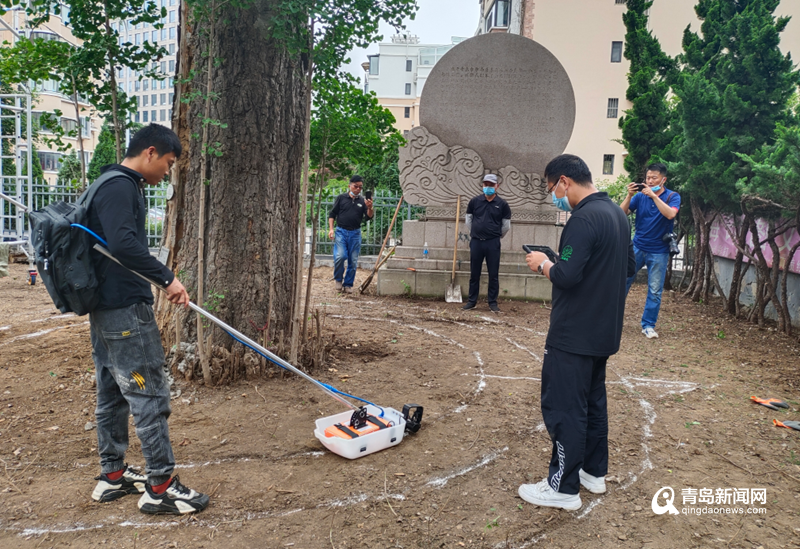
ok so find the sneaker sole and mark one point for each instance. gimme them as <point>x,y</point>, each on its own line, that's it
<point>116,493</point>
<point>572,506</point>
<point>593,488</point>
<point>154,507</point>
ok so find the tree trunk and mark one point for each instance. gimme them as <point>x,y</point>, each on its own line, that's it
<point>112,71</point>
<point>738,272</point>
<point>256,180</point>
<point>313,254</point>
<point>80,134</point>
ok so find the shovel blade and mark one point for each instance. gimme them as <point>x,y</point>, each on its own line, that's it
<point>452,294</point>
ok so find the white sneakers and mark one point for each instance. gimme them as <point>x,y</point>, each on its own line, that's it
<point>596,485</point>
<point>650,333</point>
<point>541,494</point>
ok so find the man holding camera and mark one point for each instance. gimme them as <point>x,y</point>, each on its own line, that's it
<point>653,243</point>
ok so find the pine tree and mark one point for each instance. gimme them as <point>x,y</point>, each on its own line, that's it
<point>69,174</point>
<point>646,125</point>
<point>104,154</point>
<point>734,89</point>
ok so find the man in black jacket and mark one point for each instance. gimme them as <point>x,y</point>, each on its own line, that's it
<point>595,258</point>
<point>126,344</point>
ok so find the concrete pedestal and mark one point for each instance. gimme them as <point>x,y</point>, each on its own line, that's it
<point>409,273</point>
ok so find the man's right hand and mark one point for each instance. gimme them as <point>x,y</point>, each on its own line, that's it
<point>633,188</point>
<point>330,234</point>
<point>177,294</point>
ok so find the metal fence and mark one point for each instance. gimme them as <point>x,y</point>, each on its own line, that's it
<point>372,232</point>
<point>15,225</point>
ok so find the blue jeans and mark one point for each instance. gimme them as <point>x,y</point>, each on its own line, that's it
<point>129,360</point>
<point>347,245</point>
<point>656,273</point>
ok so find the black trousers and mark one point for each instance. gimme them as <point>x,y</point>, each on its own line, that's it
<point>478,251</point>
<point>575,411</point>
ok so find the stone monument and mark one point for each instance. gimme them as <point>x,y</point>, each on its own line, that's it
<point>496,103</point>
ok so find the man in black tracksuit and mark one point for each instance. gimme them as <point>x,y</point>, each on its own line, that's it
<point>595,259</point>
<point>488,219</point>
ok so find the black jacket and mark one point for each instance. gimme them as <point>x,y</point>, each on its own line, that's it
<point>118,214</point>
<point>595,259</point>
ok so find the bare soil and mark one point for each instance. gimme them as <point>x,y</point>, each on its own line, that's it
<point>680,416</point>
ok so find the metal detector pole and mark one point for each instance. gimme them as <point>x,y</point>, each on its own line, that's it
<point>234,332</point>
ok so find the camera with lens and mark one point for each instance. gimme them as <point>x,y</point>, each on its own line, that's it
<point>672,240</point>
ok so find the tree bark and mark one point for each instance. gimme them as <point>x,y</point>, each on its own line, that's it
<point>80,134</point>
<point>256,181</point>
<point>112,71</point>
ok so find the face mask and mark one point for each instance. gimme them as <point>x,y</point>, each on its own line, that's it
<point>488,191</point>
<point>561,203</point>
<point>656,188</point>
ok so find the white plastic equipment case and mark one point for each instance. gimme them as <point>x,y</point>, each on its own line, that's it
<point>365,444</point>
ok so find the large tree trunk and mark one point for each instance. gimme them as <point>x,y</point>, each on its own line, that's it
<point>253,196</point>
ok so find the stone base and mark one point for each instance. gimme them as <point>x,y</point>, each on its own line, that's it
<point>407,272</point>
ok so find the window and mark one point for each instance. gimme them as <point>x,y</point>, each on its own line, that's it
<point>69,125</point>
<point>137,39</point>
<point>50,161</point>
<point>154,99</point>
<point>171,65</point>
<point>608,164</point>
<point>171,49</point>
<point>86,126</point>
<point>163,114</point>
<point>145,84</point>
<point>408,89</point>
<point>129,87</point>
<point>164,84</point>
<point>154,36</point>
<point>136,118</point>
<point>408,65</point>
<point>136,86</point>
<point>144,116</point>
<point>172,16</point>
<point>498,15</point>
<point>613,107</point>
<point>172,33</point>
<point>138,100</point>
<point>163,34</point>
<point>171,97</point>
<point>169,114</point>
<point>407,112</point>
<point>171,2</point>
<point>374,64</point>
<point>616,52</point>
<point>145,100</point>
<point>153,116</point>
<point>619,1</point>
<point>163,98</point>
<point>163,67</point>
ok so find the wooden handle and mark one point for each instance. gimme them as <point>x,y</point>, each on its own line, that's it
<point>455,237</point>
<point>380,253</point>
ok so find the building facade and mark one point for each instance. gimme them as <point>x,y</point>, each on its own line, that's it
<point>397,75</point>
<point>587,37</point>
<point>49,99</point>
<point>153,96</point>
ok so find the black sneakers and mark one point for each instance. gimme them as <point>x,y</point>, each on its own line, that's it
<point>494,308</point>
<point>176,500</point>
<point>469,305</point>
<point>132,481</point>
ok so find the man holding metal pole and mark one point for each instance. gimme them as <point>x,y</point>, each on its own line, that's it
<point>126,344</point>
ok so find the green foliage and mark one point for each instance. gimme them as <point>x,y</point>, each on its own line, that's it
<point>88,69</point>
<point>646,129</point>
<point>104,153</point>
<point>775,182</point>
<point>384,175</point>
<point>617,190</point>
<point>70,172</point>
<point>338,26</point>
<point>735,87</point>
<point>348,128</point>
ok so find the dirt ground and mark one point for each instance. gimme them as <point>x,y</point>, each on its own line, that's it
<point>680,416</point>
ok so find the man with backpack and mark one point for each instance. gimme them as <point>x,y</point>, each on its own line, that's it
<point>126,344</point>
<point>656,208</point>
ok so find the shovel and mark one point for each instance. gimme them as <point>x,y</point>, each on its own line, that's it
<point>452,294</point>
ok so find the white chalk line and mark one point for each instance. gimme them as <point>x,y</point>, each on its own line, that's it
<point>198,522</point>
<point>68,315</point>
<point>41,333</point>
<point>523,348</point>
<point>442,481</point>
<point>4,328</point>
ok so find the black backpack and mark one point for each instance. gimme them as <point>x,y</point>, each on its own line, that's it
<point>63,256</point>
